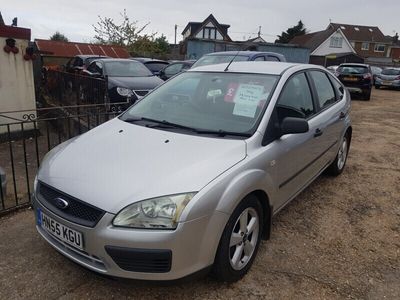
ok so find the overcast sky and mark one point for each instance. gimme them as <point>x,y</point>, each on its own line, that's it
<point>74,18</point>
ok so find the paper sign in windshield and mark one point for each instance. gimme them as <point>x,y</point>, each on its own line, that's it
<point>246,100</point>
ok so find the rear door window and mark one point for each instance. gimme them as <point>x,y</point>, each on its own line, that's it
<point>260,58</point>
<point>271,58</point>
<point>324,89</point>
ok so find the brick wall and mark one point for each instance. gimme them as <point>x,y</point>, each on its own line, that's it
<point>371,50</point>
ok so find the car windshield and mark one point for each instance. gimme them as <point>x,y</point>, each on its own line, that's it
<point>348,69</point>
<point>218,59</point>
<point>126,68</point>
<point>207,102</point>
<point>392,72</point>
<point>156,66</point>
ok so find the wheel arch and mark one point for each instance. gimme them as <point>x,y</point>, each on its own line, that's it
<point>263,197</point>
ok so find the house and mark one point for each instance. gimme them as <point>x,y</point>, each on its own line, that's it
<point>16,75</point>
<point>394,48</point>
<point>209,29</point>
<point>200,38</point>
<point>360,43</point>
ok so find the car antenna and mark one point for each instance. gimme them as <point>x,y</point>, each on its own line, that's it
<point>233,58</point>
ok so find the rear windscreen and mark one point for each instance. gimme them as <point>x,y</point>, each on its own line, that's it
<point>348,69</point>
<point>391,72</point>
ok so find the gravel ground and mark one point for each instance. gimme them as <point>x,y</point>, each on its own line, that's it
<point>339,239</point>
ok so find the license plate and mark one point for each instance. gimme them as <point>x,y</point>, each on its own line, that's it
<point>62,232</point>
<point>387,83</point>
<point>350,79</point>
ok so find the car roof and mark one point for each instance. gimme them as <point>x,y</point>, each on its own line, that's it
<point>257,67</point>
<point>354,64</point>
<point>146,60</point>
<point>114,59</point>
<point>90,56</point>
<point>242,53</point>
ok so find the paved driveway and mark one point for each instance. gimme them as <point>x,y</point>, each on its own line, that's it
<point>339,239</point>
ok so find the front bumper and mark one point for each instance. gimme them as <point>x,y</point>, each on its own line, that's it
<point>387,83</point>
<point>192,246</point>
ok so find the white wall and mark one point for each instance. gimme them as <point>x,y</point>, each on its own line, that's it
<point>17,90</point>
<point>325,48</point>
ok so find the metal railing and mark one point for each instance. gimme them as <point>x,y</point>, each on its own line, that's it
<point>69,105</point>
<point>23,144</point>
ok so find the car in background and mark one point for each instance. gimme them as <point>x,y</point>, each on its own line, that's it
<point>154,65</point>
<point>332,69</point>
<point>175,68</point>
<point>190,177</point>
<point>390,77</point>
<point>357,78</point>
<point>375,72</point>
<point>80,62</point>
<point>127,80</point>
<point>227,56</point>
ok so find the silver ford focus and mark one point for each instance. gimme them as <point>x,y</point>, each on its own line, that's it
<point>190,177</point>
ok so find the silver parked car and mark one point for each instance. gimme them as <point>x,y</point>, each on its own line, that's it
<point>191,176</point>
<point>389,77</point>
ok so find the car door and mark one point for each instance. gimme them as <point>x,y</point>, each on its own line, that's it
<point>292,156</point>
<point>332,113</point>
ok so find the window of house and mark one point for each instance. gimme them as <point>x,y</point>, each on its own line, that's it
<point>209,33</point>
<point>336,42</point>
<point>365,46</point>
<point>379,48</point>
<point>356,29</point>
<point>342,27</point>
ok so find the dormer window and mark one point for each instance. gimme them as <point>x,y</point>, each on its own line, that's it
<point>356,29</point>
<point>336,42</point>
<point>342,27</point>
<point>209,33</point>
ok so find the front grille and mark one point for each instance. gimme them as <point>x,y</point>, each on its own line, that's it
<point>141,260</point>
<point>77,211</point>
<point>141,93</point>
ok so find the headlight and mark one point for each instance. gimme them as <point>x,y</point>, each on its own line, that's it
<point>124,92</point>
<point>156,213</point>
<point>35,182</point>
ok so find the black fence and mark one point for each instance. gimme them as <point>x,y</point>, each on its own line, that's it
<point>24,143</point>
<point>67,105</point>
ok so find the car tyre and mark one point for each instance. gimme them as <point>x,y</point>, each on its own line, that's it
<point>367,95</point>
<point>240,241</point>
<point>337,166</point>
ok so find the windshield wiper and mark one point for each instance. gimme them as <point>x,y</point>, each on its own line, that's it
<point>224,133</point>
<point>161,123</point>
<point>166,124</point>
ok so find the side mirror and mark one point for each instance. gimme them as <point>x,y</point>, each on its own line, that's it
<point>292,125</point>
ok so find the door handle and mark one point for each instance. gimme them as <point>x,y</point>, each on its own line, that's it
<point>342,115</point>
<point>318,132</point>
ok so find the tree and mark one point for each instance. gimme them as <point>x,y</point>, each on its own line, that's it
<point>57,36</point>
<point>125,33</point>
<point>287,36</point>
<point>162,44</point>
